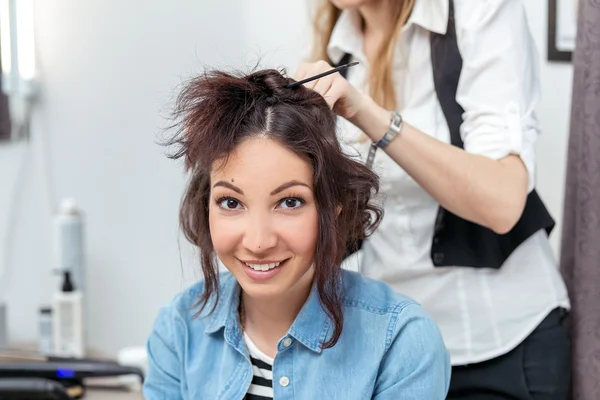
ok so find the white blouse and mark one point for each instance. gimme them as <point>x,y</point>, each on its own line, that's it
<point>482,313</point>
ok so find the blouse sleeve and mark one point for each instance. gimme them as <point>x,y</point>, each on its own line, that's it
<point>498,86</point>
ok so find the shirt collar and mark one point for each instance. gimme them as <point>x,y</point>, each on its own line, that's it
<point>431,15</point>
<point>310,327</point>
<point>346,36</point>
<point>312,323</point>
<point>225,313</point>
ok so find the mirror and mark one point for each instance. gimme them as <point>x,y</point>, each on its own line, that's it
<point>17,65</point>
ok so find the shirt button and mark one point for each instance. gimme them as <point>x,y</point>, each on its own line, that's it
<point>284,381</point>
<point>438,258</point>
<point>287,342</point>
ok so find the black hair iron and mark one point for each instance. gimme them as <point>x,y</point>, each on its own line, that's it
<point>33,389</point>
<point>66,370</point>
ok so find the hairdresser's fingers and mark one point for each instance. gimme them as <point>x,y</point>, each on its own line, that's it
<point>335,94</point>
<point>313,69</point>
<point>322,66</point>
<point>347,100</point>
<point>331,100</point>
<point>305,70</point>
<point>334,97</point>
<point>323,85</point>
<point>340,95</point>
<point>312,84</point>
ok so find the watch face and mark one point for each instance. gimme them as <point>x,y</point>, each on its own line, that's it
<point>396,124</point>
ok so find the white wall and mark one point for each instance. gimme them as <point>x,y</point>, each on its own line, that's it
<point>108,71</point>
<point>277,32</point>
<point>554,113</point>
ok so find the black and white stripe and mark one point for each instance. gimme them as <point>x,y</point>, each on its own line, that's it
<point>261,387</point>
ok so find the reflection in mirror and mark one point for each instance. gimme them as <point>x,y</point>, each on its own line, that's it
<point>17,65</point>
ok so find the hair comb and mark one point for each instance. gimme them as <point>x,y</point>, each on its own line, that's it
<point>322,74</point>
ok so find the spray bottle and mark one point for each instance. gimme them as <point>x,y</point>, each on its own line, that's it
<point>67,320</point>
<point>69,241</point>
<point>69,248</point>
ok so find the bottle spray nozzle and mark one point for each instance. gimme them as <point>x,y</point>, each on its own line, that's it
<point>67,285</point>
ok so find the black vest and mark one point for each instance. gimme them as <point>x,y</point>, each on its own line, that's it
<point>456,241</point>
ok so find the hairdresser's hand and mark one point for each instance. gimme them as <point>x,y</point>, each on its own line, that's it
<point>343,98</point>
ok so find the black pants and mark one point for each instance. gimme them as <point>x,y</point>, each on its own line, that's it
<point>538,369</point>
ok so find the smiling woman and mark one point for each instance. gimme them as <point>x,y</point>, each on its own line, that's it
<point>272,196</point>
<point>265,232</point>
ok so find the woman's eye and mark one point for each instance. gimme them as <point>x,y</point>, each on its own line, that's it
<point>229,204</point>
<point>291,203</point>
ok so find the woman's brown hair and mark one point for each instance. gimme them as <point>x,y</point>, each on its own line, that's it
<point>216,111</point>
<point>381,85</point>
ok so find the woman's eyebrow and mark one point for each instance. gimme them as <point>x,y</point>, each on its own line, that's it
<point>229,186</point>
<point>287,185</point>
<point>278,190</point>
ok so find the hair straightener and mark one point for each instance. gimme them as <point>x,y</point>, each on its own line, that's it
<point>66,370</point>
<point>36,389</point>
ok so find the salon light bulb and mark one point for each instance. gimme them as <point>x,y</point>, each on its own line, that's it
<point>5,45</point>
<point>17,47</point>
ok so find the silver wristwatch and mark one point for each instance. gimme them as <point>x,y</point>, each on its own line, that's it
<point>395,128</point>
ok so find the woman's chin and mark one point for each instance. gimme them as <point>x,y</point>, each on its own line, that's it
<point>263,292</point>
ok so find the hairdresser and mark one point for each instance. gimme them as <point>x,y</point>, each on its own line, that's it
<point>442,106</point>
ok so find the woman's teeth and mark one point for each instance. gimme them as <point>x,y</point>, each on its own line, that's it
<point>263,267</point>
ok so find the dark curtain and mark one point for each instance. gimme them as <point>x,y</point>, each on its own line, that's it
<point>580,248</point>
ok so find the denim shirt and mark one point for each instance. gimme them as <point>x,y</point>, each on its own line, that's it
<point>389,349</point>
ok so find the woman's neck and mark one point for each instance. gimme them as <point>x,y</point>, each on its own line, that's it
<point>377,23</point>
<point>377,18</point>
<point>267,320</point>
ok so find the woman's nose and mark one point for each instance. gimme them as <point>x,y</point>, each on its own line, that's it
<point>259,235</point>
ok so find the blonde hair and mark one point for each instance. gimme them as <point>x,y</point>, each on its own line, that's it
<point>380,81</point>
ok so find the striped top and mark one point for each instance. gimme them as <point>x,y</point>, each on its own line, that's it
<point>261,387</point>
